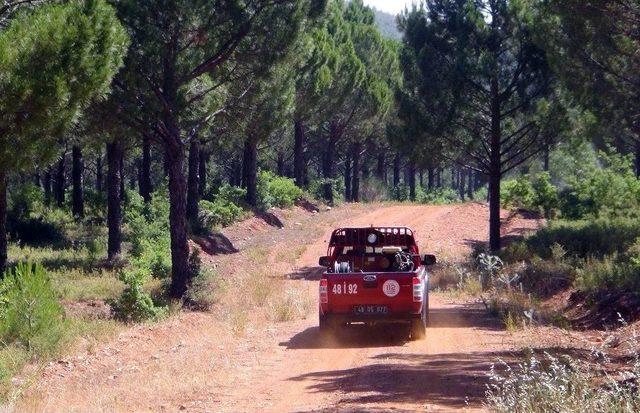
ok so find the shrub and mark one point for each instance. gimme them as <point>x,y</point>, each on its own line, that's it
<point>277,191</point>
<point>554,385</point>
<point>29,310</point>
<point>148,223</point>
<point>608,274</point>
<point>337,187</point>
<point>438,196</point>
<point>518,192</point>
<point>373,190</point>
<point>612,190</point>
<point>134,304</point>
<point>586,238</point>
<point>399,192</point>
<point>204,290</point>
<point>218,213</point>
<point>545,194</point>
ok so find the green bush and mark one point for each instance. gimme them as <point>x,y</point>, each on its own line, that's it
<point>612,190</point>
<point>218,213</point>
<point>518,192</point>
<point>537,193</point>
<point>148,224</point>
<point>316,188</point>
<point>277,191</point>
<point>134,304</point>
<point>399,192</point>
<point>610,274</point>
<point>545,194</point>
<point>29,310</point>
<point>583,239</point>
<point>438,196</point>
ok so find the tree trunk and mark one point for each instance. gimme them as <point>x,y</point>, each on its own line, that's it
<point>430,178</point>
<point>47,187</point>
<point>180,276</point>
<point>637,159</point>
<point>439,178</point>
<point>470,183</point>
<point>298,153</point>
<point>60,184</point>
<point>396,170</point>
<point>347,178</point>
<point>250,171</point>
<point>462,184</point>
<point>495,167</point>
<point>280,164</point>
<point>114,209</point>
<point>546,150</point>
<point>3,222</point>
<point>355,186</point>
<point>380,167</point>
<point>145,185</point>
<point>202,174</point>
<point>412,181</point>
<point>193,182</point>
<point>77,169</point>
<point>421,175</point>
<point>327,163</point>
<point>37,181</point>
<point>99,173</point>
<point>121,163</point>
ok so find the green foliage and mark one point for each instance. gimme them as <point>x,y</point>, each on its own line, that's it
<point>517,192</point>
<point>225,208</point>
<point>537,193</point>
<point>438,196</point>
<point>277,191</point>
<point>316,188</point>
<point>148,223</point>
<point>612,190</point>
<point>586,238</point>
<point>134,304</point>
<point>29,310</point>
<point>545,194</point>
<point>55,60</point>
<point>399,192</point>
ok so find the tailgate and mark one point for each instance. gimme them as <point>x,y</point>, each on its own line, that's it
<point>393,290</point>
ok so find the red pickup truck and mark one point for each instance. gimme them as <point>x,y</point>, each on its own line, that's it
<point>374,275</point>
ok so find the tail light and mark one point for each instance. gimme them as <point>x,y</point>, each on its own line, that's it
<point>324,287</point>
<point>417,290</point>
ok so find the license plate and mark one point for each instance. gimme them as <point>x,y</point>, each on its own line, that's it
<point>370,309</point>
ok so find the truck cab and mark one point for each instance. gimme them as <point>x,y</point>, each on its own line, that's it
<point>374,275</point>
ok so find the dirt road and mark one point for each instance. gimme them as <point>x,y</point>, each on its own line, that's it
<point>195,362</point>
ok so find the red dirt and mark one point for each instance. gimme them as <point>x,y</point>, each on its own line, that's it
<point>195,362</point>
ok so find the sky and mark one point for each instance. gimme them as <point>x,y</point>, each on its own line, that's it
<point>390,6</point>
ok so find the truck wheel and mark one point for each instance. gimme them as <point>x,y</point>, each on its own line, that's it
<point>426,309</point>
<point>325,324</point>
<point>418,329</point>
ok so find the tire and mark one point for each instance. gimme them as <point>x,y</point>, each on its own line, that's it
<point>418,329</point>
<point>419,325</point>
<point>325,324</point>
<point>425,309</point>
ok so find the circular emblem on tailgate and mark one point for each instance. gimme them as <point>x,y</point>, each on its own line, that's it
<point>391,288</point>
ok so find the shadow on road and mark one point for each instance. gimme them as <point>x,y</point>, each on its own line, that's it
<point>355,336</point>
<point>452,380</point>
<point>387,335</point>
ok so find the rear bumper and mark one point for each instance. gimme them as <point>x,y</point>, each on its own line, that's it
<point>378,318</point>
